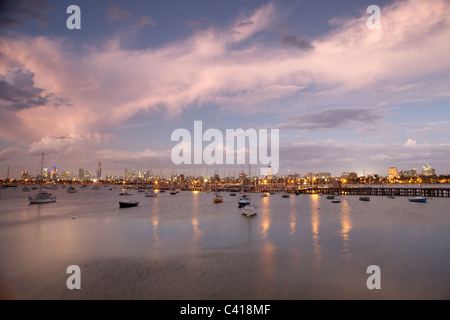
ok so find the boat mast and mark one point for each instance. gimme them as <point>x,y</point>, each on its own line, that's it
<point>40,178</point>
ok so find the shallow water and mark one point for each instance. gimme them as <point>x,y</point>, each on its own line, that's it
<point>186,247</point>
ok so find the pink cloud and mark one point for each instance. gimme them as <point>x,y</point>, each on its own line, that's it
<point>110,84</point>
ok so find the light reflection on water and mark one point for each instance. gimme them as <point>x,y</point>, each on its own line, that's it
<point>315,223</point>
<point>186,247</point>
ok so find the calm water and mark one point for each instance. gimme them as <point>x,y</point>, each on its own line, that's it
<point>185,247</point>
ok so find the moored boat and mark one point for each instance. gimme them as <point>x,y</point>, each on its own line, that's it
<point>217,198</point>
<point>243,201</point>
<point>125,193</point>
<point>128,204</point>
<point>42,196</point>
<point>249,210</point>
<point>418,199</point>
<point>151,194</point>
<point>364,198</point>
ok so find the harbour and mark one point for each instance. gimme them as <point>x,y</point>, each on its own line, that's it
<point>185,246</point>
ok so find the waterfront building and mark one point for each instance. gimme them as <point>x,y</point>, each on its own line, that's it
<point>393,173</point>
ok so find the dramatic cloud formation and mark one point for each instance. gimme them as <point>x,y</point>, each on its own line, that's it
<point>229,67</point>
<point>17,90</point>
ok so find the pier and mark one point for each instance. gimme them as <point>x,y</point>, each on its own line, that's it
<point>380,191</point>
<point>357,191</point>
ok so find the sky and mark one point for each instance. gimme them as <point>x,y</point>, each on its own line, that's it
<point>344,97</point>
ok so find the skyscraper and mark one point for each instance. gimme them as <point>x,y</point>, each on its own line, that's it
<point>428,171</point>
<point>269,172</point>
<point>81,174</point>
<point>99,170</point>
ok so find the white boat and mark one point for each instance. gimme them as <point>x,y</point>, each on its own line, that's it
<point>249,210</point>
<point>42,196</point>
<point>125,193</point>
<point>151,194</point>
<point>243,201</point>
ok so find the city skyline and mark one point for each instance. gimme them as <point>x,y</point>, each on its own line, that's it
<point>133,174</point>
<point>344,97</point>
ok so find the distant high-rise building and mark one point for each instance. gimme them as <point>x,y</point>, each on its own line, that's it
<point>99,170</point>
<point>393,173</point>
<point>65,175</point>
<point>54,173</point>
<point>428,171</point>
<point>345,175</point>
<point>25,175</point>
<point>413,172</point>
<point>269,172</point>
<point>81,174</point>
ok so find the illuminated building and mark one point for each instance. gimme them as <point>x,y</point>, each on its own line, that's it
<point>393,173</point>
<point>428,171</point>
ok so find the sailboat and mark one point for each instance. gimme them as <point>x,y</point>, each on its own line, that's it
<point>42,196</point>
<point>151,194</point>
<point>217,198</point>
<point>285,195</point>
<point>249,210</point>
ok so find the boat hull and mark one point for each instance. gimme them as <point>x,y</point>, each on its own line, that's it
<point>420,200</point>
<point>249,211</point>
<point>128,204</point>
<point>38,201</point>
<point>151,195</point>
